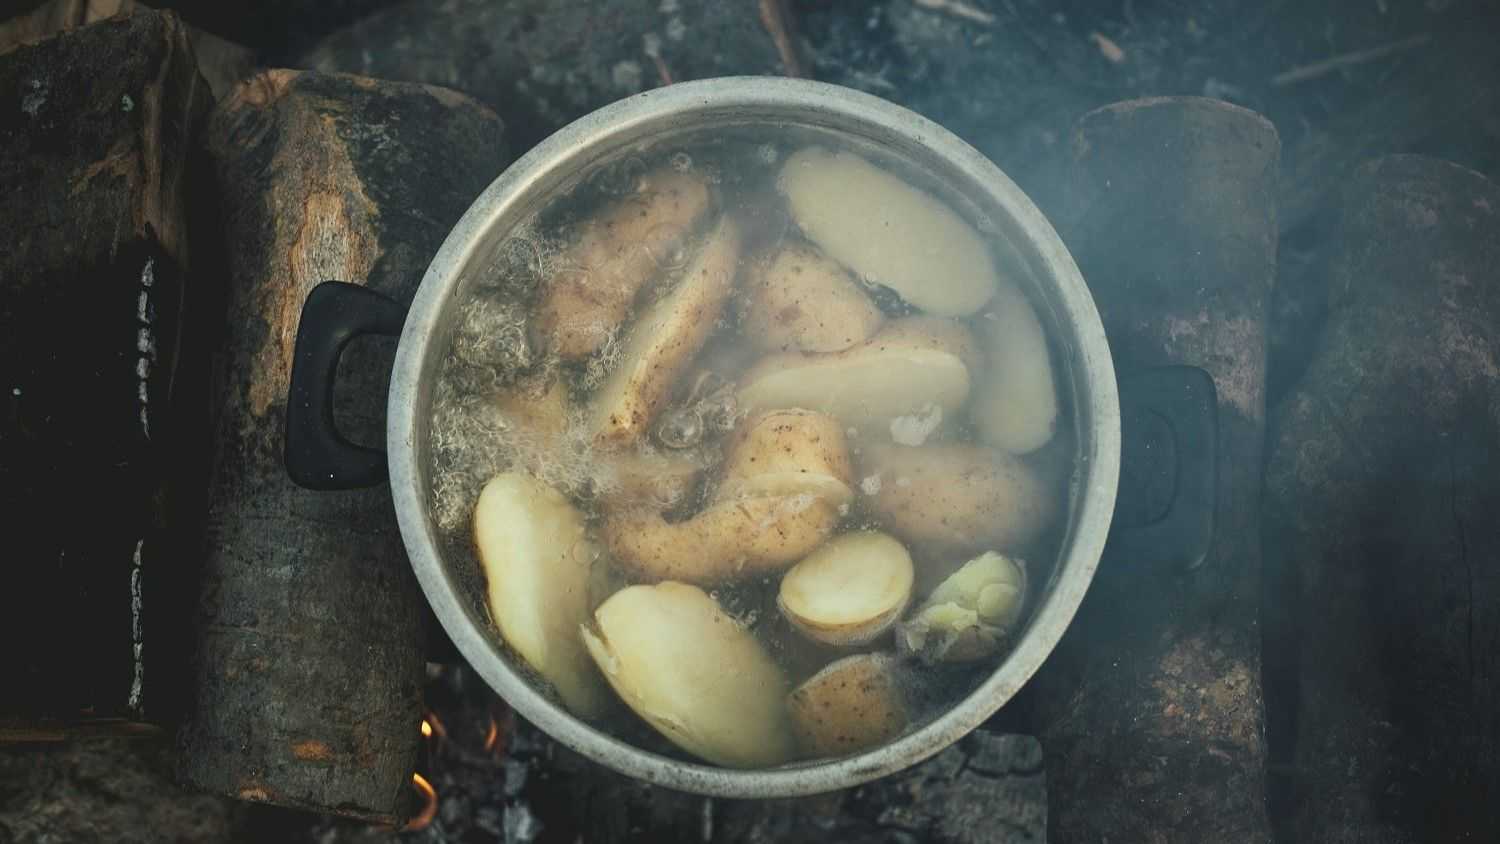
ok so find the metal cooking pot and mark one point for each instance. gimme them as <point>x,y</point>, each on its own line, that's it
<point>317,456</point>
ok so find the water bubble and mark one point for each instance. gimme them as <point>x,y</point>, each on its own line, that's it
<point>682,162</point>
<point>767,153</point>
<point>679,428</point>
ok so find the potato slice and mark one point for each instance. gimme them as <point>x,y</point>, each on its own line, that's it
<point>537,561</point>
<point>614,256</point>
<point>662,343</point>
<point>693,673</point>
<point>850,590</point>
<point>1015,403</point>
<point>970,615</point>
<point>888,232</point>
<point>787,452</point>
<point>909,367</point>
<point>730,540</point>
<point>798,299</point>
<point>854,704</point>
<point>955,498</point>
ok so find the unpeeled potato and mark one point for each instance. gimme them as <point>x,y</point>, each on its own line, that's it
<point>848,591</point>
<point>955,498</point>
<point>787,452</point>
<point>854,704</point>
<point>798,299</point>
<point>615,254</point>
<point>1015,403</point>
<point>538,564</point>
<point>693,673</point>
<point>888,231</point>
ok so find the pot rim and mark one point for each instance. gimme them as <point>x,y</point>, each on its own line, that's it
<point>1089,362</point>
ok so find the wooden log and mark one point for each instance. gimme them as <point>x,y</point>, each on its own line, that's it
<point>1150,709</point>
<point>1380,533</point>
<point>309,682</point>
<point>105,329</point>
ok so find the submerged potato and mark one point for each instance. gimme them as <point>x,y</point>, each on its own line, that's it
<point>854,704</point>
<point>648,478</point>
<point>799,299</point>
<point>693,673</point>
<point>850,590</point>
<point>661,344</point>
<point>537,405</point>
<point>888,231</point>
<point>910,366</point>
<point>955,498</point>
<point>1015,404</point>
<point>615,254</point>
<point>538,569</point>
<point>788,452</point>
<point>970,615</point>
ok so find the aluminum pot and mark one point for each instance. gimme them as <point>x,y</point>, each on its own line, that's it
<point>318,457</point>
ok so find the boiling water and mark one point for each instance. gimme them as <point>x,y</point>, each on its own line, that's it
<point>505,401</point>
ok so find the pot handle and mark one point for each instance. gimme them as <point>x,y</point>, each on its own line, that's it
<point>317,455</point>
<point>1164,513</point>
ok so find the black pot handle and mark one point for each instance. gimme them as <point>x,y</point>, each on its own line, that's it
<point>317,455</point>
<point>1164,512</point>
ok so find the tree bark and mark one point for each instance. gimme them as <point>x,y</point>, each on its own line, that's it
<point>1380,532</point>
<point>309,679</point>
<point>1151,706</point>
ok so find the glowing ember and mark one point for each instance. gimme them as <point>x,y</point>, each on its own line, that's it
<point>426,728</point>
<point>429,808</point>
<point>492,735</point>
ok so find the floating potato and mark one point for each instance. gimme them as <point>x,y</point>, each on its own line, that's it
<point>850,590</point>
<point>888,232</point>
<point>693,673</point>
<point>614,256</point>
<point>799,299</point>
<point>955,498</point>
<point>970,614</point>
<point>787,452</point>
<point>538,567</point>
<point>661,344</point>
<point>908,367</point>
<point>854,704</point>
<point>1015,404</point>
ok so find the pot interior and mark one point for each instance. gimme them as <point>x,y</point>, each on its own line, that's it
<point>473,331</point>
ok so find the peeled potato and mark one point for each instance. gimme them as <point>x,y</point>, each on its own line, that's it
<point>538,567</point>
<point>848,591</point>
<point>888,231</point>
<point>799,299</point>
<point>661,344</point>
<point>970,614</point>
<point>910,366</point>
<point>1015,404</point>
<point>693,673</point>
<point>854,704</point>
<point>614,256</point>
<point>787,452</point>
<point>955,498</point>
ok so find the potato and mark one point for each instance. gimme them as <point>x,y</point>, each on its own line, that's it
<point>661,344</point>
<point>1015,403</point>
<point>909,367</point>
<point>614,256</point>
<point>955,498</point>
<point>647,478</point>
<point>538,562</point>
<point>970,615</point>
<point>693,673</point>
<point>855,704</point>
<point>888,232</point>
<point>787,452</point>
<point>850,590</point>
<point>730,540</point>
<point>798,299</point>
<point>536,405</point>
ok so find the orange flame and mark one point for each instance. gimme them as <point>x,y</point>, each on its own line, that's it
<point>426,728</point>
<point>429,808</point>
<point>492,736</point>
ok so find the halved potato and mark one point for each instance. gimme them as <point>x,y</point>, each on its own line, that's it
<point>614,256</point>
<point>693,673</point>
<point>538,563</point>
<point>798,299</point>
<point>970,615</point>
<point>888,231</point>
<point>907,367</point>
<point>787,452</point>
<point>661,344</point>
<point>850,590</point>
<point>955,498</point>
<point>854,704</point>
<point>1015,403</point>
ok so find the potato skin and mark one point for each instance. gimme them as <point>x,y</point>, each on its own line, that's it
<point>956,498</point>
<point>854,704</point>
<point>615,254</point>
<point>798,299</point>
<point>786,441</point>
